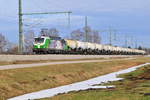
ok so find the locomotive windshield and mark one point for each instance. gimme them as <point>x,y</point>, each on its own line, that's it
<point>39,40</point>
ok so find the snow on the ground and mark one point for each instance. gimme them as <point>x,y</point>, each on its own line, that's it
<point>84,85</point>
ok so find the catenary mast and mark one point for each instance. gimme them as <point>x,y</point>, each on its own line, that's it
<point>20,44</point>
<point>20,14</point>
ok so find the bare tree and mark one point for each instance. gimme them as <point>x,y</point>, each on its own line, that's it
<point>44,32</point>
<point>140,48</point>
<point>86,34</point>
<point>53,32</point>
<point>12,48</point>
<point>49,32</point>
<point>96,37</point>
<point>147,50</point>
<point>3,42</point>
<point>28,41</point>
<point>77,35</point>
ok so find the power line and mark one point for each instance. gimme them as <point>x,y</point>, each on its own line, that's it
<point>111,35</point>
<point>20,14</point>
<point>86,31</point>
<point>41,13</point>
<point>126,41</point>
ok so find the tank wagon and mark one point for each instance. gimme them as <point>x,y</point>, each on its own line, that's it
<point>57,45</point>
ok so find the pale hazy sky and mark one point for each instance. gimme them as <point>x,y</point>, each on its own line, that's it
<point>129,17</point>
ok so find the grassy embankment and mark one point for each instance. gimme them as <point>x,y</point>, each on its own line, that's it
<point>20,81</point>
<point>135,86</point>
<point>46,61</point>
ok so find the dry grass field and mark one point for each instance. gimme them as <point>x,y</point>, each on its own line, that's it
<point>20,81</point>
<point>135,86</point>
<point>28,59</point>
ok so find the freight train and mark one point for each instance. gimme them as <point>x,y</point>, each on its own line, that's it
<point>57,45</point>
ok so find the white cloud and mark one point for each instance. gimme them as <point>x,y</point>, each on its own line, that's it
<point>9,7</point>
<point>100,12</point>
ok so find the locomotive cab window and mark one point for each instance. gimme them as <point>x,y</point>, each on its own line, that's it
<point>39,40</point>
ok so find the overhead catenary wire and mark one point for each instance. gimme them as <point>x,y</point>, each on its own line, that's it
<point>21,14</point>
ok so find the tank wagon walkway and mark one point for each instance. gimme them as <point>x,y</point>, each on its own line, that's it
<point>15,66</point>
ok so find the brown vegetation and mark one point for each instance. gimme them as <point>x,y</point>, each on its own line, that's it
<point>135,86</point>
<point>20,81</point>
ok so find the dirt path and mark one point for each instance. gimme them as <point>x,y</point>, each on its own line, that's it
<point>13,58</point>
<point>5,67</point>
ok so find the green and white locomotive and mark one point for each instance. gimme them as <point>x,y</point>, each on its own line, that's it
<point>57,45</point>
<point>48,45</point>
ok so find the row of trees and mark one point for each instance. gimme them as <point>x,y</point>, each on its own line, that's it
<point>83,34</point>
<point>147,50</point>
<point>6,46</point>
<point>50,32</point>
<point>3,42</point>
<point>79,34</point>
<point>86,33</point>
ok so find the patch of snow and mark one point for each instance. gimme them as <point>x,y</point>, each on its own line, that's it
<point>84,85</point>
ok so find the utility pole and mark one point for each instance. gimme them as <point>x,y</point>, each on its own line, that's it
<point>136,45</point>
<point>20,14</point>
<point>142,44</point>
<point>69,19</point>
<point>86,32</point>
<point>126,41</point>
<point>111,35</point>
<point>20,47</point>
<point>132,41</point>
